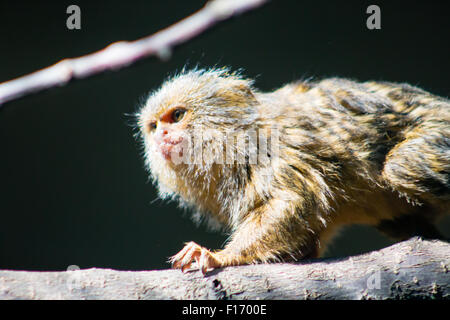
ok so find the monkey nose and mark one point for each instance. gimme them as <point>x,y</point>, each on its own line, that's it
<point>162,133</point>
<point>166,136</point>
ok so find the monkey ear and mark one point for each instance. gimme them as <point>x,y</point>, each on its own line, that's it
<point>237,91</point>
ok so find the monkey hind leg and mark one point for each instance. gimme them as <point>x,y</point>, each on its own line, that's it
<point>419,168</point>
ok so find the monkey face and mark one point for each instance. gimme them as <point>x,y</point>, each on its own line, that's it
<point>195,105</point>
<point>174,137</point>
<point>167,131</point>
<point>163,135</point>
<point>185,124</point>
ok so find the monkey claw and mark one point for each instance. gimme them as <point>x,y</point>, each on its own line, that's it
<point>192,252</point>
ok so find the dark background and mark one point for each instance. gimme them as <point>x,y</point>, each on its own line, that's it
<point>73,189</point>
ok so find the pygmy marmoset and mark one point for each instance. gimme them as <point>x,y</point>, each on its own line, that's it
<point>283,171</point>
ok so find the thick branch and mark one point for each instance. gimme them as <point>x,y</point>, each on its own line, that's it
<point>122,54</point>
<point>411,269</point>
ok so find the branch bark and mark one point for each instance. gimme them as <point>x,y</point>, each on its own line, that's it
<point>121,54</point>
<point>414,269</point>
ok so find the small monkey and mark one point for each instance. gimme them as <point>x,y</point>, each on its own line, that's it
<point>333,152</point>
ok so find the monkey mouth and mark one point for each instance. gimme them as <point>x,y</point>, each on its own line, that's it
<point>169,148</point>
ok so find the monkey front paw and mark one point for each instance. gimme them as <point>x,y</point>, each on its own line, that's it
<point>191,252</point>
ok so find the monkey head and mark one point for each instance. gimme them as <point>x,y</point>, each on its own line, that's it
<point>183,126</point>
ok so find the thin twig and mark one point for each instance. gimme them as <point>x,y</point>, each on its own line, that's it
<point>121,54</point>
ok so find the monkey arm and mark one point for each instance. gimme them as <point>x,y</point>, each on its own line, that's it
<point>272,232</point>
<point>275,231</point>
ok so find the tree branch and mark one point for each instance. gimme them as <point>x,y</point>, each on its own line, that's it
<point>411,269</point>
<point>121,54</point>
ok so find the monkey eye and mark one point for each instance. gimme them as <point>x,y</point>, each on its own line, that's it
<point>152,126</point>
<point>178,114</point>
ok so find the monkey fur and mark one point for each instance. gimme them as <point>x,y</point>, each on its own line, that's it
<point>374,153</point>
